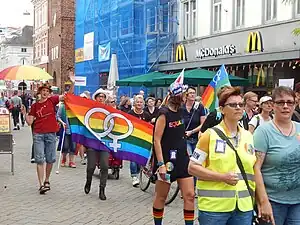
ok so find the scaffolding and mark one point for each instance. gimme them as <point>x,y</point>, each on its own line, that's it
<point>141,32</point>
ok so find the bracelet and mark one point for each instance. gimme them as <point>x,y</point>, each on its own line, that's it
<point>160,163</point>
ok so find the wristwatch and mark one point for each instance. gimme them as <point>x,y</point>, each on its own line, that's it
<point>160,163</point>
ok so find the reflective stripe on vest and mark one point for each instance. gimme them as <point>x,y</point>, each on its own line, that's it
<point>223,194</point>
<point>249,176</point>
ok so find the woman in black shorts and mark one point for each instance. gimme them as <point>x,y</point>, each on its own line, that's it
<point>171,158</point>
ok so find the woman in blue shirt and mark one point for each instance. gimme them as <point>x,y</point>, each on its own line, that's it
<point>278,158</point>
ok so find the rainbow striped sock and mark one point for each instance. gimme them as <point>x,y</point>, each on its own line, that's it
<point>158,216</point>
<point>188,217</point>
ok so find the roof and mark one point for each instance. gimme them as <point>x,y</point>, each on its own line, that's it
<point>24,39</point>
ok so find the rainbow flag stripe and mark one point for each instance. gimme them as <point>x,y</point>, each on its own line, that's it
<point>108,129</point>
<point>208,96</point>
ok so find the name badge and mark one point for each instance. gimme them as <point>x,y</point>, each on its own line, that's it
<point>220,146</point>
<point>173,154</point>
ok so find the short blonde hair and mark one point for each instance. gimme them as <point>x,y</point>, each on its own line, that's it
<point>137,97</point>
<point>249,95</point>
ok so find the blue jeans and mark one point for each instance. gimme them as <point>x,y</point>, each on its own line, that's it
<point>134,169</point>
<point>190,146</point>
<point>44,148</point>
<point>285,214</point>
<point>235,217</point>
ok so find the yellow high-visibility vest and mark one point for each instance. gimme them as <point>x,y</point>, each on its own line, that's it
<point>219,196</point>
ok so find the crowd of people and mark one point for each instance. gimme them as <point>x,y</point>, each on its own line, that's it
<point>245,151</point>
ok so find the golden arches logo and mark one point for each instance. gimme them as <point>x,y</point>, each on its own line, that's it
<point>180,53</point>
<point>254,43</point>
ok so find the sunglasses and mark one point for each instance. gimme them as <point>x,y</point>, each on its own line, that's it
<point>282,103</point>
<point>235,105</point>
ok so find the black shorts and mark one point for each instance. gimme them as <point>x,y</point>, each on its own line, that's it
<point>177,168</point>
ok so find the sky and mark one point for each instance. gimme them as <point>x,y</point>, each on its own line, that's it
<point>11,13</point>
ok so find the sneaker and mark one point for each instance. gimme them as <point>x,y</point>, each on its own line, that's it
<point>135,181</point>
<point>18,127</point>
<point>83,162</point>
<point>72,165</point>
<point>63,163</point>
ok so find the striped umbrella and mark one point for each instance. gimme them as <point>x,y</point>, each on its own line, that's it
<point>24,72</point>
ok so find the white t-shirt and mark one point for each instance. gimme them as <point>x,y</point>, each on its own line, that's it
<point>255,119</point>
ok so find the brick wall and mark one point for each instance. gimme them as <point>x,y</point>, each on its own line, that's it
<point>61,35</point>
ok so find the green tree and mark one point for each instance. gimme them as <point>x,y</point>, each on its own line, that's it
<point>296,31</point>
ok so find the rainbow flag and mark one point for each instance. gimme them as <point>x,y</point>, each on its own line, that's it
<point>209,97</point>
<point>104,128</point>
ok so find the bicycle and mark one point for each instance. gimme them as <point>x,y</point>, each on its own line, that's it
<point>147,177</point>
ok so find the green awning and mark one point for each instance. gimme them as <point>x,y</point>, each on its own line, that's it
<point>141,80</point>
<point>197,77</point>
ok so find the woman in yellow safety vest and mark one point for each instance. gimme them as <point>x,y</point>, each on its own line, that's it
<point>223,196</point>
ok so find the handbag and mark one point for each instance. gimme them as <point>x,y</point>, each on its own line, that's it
<point>255,220</point>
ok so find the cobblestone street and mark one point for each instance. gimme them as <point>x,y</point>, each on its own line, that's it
<point>66,203</point>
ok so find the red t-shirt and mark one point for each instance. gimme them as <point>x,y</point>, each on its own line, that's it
<point>45,117</point>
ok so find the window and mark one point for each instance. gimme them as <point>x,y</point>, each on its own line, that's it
<point>23,49</point>
<point>190,18</point>
<point>165,18</point>
<point>217,10</point>
<point>239,13</point>
<point>271,10</point>
<point>186,19</point>
<point>298,7</point>
<point>194,18</point>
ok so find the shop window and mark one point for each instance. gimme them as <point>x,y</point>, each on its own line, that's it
<point>270,10</point>
<point>217,11</point>
<point>261,77</point>
<point>239,13</point>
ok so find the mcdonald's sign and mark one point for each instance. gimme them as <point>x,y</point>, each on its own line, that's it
<point>254,43</point>
<point>180,53</point>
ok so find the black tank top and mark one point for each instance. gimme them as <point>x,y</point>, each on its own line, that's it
<point>173,136</point>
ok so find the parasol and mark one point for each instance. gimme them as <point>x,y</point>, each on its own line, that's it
<point>24,72</point>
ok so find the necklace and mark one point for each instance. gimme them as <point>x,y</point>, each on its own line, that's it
<point>281,130</point>
<point>136,112</point>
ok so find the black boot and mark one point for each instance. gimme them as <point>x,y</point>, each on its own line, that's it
<point>102,193</point>
<point>87,187</point>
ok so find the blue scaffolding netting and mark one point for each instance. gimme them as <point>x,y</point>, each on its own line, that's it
<point>141,32</point>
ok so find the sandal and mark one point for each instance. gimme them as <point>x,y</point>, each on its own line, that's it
<point>42,190</point>
<point>47,186</point>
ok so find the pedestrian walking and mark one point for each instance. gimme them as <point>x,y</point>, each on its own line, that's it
<point>224,155</point>
<point>43,115</point>
<point>139,112</point>
<point>277,145</point>
<point>15,105</point>
<point>171,158</point>
<point>99,158</point>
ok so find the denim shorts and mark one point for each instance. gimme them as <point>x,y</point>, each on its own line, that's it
<point>44,148</point>
<point>235,217</point>
<point>191,145</point>
<point>285,214</point>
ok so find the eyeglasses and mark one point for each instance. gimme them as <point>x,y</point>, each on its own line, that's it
<point>282,103</point>
<point>235,105</point>
<point>253,100</point>
<point>102,96</point>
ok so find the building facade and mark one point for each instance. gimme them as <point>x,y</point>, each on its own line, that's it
<point>41,34</point>
<point>252,38</point>
<point>140,33</point>
<point>61,40</point>
<point>17,50</point>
